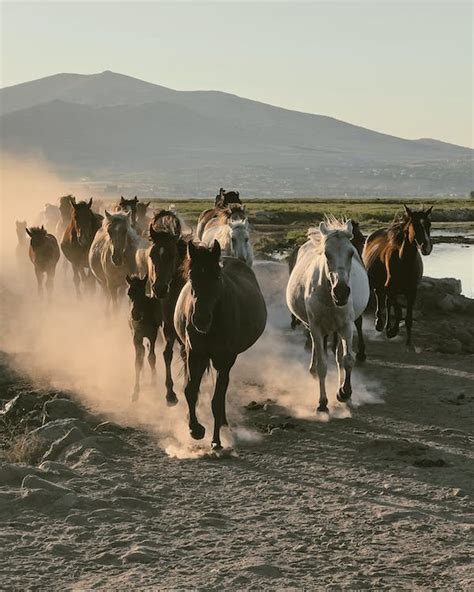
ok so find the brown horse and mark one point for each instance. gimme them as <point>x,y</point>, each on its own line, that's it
<point>145,321</point>
<point>224,198</point>
<point>395,268</point>
<point>358,241</point>
<point>219,215</point>
<point>77,239</point>
<point>165,261</point>
<point>142,219</point>
<point>220,313</point>
<point>128,205</point>
<point>44,254</point>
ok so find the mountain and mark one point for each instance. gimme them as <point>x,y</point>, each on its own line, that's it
<point>113,127</point>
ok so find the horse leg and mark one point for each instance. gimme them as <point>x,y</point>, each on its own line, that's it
<point>409,316</point>
<point>39,281</point>
<point>218,400</point>
<point>50,281</point>
<point>77,281</point>
<point>170,336</point>
<point>152,358</point>
<point>139,357</point>
<point>347,359</point>
<point>361,357</point>
<point>197,365</point>
<point>380,312</point>
<point>319,366</point>
<point>392,330</point>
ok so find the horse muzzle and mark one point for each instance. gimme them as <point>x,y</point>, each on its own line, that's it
<point>160,290</point>
<point>117,259</point>
<point>426,248</point>
<point>340,294</point>
<point>202,323</point>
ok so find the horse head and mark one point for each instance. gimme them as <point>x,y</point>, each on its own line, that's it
<point>37,235</point>
<point>164,257</point>
<point>205,275</point>
<point>240,246</point>
<point>84,221</point>
<point>338,251</point>
<point>418,225</point>
<point>118,228</point>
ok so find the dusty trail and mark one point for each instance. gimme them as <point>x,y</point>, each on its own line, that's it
<point>378,497</point>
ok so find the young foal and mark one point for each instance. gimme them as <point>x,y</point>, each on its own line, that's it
<point>328,289</point>
<point>165,260</point>
<point>220,313</point>
<point>44,254</point>
<point>395,267</point>
<point>145,321</point>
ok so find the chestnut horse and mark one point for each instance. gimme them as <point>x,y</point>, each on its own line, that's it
<point>77,239</point>
<point>44,254</point>
<point>391,256</point>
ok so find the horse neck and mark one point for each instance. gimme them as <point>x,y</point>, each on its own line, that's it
<point>408,249</point>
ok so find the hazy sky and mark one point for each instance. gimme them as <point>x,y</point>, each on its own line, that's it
<point>404,68</point>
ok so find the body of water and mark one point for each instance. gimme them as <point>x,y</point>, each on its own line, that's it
<point>452,260</point>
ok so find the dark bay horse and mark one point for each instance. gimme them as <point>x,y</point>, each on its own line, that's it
<point>224,198</point>
<point>44,254</point>
<point>77,239</point>
<point>220,313</point>
<point>391,256</point>
<point>358,241</point>
<point>128,205</point>
<point>165,262</point>
<point>145,321</point>
<point>231,212</point>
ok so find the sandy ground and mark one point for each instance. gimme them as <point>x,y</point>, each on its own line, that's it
<point>376,497</point>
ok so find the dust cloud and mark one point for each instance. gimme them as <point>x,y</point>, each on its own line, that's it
<point>74,345</point>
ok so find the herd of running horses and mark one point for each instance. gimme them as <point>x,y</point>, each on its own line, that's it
<point>199,289</point>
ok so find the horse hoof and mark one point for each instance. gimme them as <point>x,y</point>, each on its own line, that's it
<point>171,400</point>
<point>379,326</point>
<point>197,431</point>
<point>391,332</point>
<point>342,396</point>
<point>134,396</point>
<point>361,357</point>
<point>216,446</point>
<point>323,408</point>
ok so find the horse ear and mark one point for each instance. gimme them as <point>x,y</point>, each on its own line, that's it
<point>323,229</point>
<point>429,210</point>
<point>108,216</point>
<point>135,199</point>
<point>42,227</point>
<point>349,230</point>
<point>147,205</point>
<point>129,279</point>
<point>89,203</point>
<point>408,212</point>
<point>216,250</point>
<point>122,199</point>
<point>28,231</point>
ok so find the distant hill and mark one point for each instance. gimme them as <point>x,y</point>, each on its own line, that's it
<point>113,127</point>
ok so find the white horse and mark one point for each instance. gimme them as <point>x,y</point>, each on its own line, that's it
<point>233,237</point>
<point>112,253</point>
<point>328,289</point>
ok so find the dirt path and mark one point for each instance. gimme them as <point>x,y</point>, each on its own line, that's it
<point>379,496</point>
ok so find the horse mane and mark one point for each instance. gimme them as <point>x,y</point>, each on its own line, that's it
<point>397,229</point>
<point>169,221</point>
<point>336,228</point>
